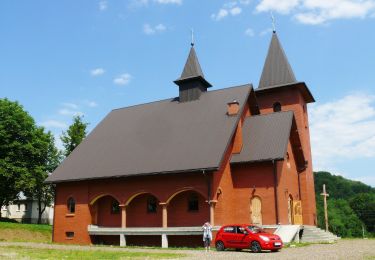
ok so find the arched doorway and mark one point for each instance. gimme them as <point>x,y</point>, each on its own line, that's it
<point>256,211</point>
<point>187,208</point>
<point>105,212</point>
<point>143,210</point>
<point>290,210</point>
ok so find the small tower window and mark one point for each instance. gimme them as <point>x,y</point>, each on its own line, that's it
<point>71,205</point>
<point>151,204</point>
<point>115,207</point>
<point>277,107</point>
<point>193,203</point>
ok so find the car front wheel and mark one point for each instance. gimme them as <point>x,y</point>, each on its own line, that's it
<point>220,246</point>
<point>255,247</point>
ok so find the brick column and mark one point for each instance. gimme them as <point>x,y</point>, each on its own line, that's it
<point>212,204</point>
<point>123,215</point>
<point>165,214</point>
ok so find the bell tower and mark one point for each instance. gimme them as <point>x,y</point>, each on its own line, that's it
<point>279,90</point>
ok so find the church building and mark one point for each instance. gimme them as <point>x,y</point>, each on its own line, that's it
<point>152,174</point>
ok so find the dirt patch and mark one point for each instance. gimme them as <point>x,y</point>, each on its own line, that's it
<point>23,235</point>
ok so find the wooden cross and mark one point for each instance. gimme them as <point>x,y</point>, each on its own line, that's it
<point>325,195</point>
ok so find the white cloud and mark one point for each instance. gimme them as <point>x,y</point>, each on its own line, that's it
<point>229,8</point>
<point>249,32</point>
<point>319,11</point>
<point>91,103</point>
<point>343,129</point>
<point>123,79</point>
<point>70,105</point>
<point>235,11</point>
<point>281,6</point>
<point>97,72</point>
<point>150,30</point>
<point>103,5</point>
<point>178,2</point>
<point>69,112</point>
<point>53,124</point>
<point>220,14</point>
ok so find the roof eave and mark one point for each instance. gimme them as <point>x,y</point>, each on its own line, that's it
<point>309,98</point>
<point>209,169</point>
<point>199,78</point>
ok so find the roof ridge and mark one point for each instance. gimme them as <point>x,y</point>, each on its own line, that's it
<point>172,98</point>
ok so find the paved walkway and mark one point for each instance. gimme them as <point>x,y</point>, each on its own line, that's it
<point>344,249</point>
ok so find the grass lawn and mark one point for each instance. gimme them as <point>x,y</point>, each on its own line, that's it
<point>16,252</point>
<point>16,232</point>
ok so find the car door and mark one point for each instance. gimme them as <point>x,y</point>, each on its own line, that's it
<point>229,236</point>
<point>241,237</point>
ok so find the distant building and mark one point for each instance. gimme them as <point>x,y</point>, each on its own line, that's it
<point>26,211</point>
<point>152,174</point>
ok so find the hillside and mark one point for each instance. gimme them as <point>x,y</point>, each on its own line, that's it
<point>351,205</point>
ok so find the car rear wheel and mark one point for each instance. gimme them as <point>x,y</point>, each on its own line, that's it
<point>255,247</point>
<point>220,246</point>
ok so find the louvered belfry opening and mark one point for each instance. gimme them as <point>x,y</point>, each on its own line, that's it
<point>192,82</point>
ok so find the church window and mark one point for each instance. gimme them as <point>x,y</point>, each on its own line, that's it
<point>277,107</point>
<point>115,207</point>
<point>71,205</point>
<point>193,203</point>
<point>151,204</point>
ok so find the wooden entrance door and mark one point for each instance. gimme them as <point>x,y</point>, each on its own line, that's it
<point>297,210</point>
<point>256,211</point>
<point>290,210</point>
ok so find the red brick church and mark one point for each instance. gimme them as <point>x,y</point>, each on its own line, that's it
<point>152,174</point>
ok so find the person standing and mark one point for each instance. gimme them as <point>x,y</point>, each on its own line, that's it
<point>207,235</point>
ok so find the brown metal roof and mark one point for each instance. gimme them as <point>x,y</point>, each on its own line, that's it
<point>159,137</point>
<point>265,137</point>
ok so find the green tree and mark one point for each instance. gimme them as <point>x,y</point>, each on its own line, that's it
<point>74,135</point>
<point>46,160</point>
<point>17,150</point>
<point>363,205</point>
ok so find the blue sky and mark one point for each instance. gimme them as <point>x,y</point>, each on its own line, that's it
<point>61,58</point>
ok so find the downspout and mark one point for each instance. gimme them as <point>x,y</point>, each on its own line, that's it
<point>275,191</point>
<point>208,190</point>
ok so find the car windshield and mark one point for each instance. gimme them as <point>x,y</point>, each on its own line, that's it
<point>255,229</point>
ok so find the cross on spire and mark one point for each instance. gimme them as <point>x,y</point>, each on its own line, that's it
<point>192,37</point>
<point>273,22</point>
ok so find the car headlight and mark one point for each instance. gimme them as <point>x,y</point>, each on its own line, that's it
<point>264,238</point>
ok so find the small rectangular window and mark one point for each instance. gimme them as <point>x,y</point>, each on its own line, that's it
<point>25,205</point>
<point>151,205</point>
<point>69,234</point>
<point>193,204</point>
<point>18,207</point>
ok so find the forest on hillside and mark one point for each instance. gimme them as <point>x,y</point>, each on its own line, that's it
<point>351,205</point>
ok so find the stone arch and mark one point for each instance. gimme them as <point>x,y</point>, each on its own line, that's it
<point>96,198</point>
<point>132,197</point>
<point>184,190</point>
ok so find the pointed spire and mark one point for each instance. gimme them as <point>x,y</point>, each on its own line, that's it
<point>192,67</point>
<point>276,70</point>
<point>192,82</point>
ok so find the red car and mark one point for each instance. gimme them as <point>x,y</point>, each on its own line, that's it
<point>247,237</point>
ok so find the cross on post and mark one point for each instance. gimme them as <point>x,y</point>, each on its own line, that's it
<point>325,195</point>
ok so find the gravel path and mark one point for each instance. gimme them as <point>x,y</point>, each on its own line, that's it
<point>344,249</point>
